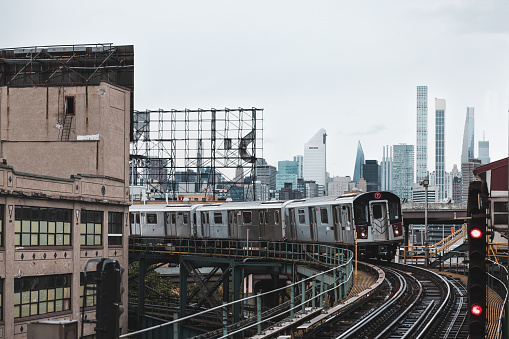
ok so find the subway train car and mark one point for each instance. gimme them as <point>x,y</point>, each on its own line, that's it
<point>372,220</point>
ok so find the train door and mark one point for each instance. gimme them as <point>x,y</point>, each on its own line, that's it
<point>312,223</point>
<point>263,222</point>
<point>205,224</point>
<point>336,218</point>
<point>291,224</point>
<point>347,226</point>
<point>172,222</point>
<point>135,223</point>
<point>233,223</point>
<point>379,220</point>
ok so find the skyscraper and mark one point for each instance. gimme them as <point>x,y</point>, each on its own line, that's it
<point>286,173</point>
<point>359,163</point>
<point>484,152</point>
<point>370,171</point>
<point>300,163</point>
<point>421,152</point>
<point>315,160</point>
<point>403,170</point>
<point>386,169</point>
<point>440,147</point>
<point>467,151</point>
<point>467,174</point>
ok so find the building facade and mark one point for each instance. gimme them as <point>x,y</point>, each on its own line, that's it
<point>440,147</point>
<point>403,170</point>
<point>266,174</point>
<point>300,165</point>
<point>467,174</point>
<point>64,199</point>
<point>315,160</point>
<point>421,146</point>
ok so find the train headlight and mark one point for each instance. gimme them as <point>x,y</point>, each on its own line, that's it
<point>363,234</point>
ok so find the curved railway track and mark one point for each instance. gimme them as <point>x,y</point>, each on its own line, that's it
<point>413,303</point>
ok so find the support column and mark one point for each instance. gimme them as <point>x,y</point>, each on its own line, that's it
<point>142,269</point>
<point>236,282</point>
<point>184,273</point>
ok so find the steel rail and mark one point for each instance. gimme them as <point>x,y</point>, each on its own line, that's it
<point>359,325</point>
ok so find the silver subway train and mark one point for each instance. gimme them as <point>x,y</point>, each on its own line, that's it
<point>372,219</point>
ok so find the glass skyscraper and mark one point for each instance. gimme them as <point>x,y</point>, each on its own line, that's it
<point>421,151</point>
<point>440,147</point>
<point>403,170</point>
<point>315,160</point>
<point>467,151</point>
<point>359,163</point>
<point>484,152</point>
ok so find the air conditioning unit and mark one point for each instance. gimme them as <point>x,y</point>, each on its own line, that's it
<point>48,329</point>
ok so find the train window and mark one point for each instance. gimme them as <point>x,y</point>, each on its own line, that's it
<point>324,216</point>
<point>194,218</point>
<point>349,215</point>
<point>302,216</point>
<point>394,211</point>
<point>377,211</point>
<point>246,217</point>
<point>173,218</point>
<point>131,218</point>
<point>218,218</point>
<point>500,213</point>
<point>261,218</point>
<point>151,218</point>
<point>137,218</point>
<point>276,217</point>
<point>362,214</point>
<point>186,218</point>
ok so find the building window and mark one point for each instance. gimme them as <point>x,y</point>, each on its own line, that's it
<point>91,293</point>
<point>41,226</point>
<point>91,228</point>
<point>69,106</point>
<point>42,295</point>
<point>115,228</point>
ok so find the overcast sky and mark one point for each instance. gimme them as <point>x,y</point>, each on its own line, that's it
<point>350,67</point>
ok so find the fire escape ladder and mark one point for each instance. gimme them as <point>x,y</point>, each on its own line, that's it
<point>66,129</point>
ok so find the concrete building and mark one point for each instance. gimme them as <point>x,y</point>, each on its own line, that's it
<point>64,194</point>
<point>419,194</point>
<point>403,170</point>
<point>339,186</point>
<point>266,174</point>
<point>467,150</point>
<point>421,147</point>
<point>440,147</point>
<point>467,174</point>
<point>315,160</point>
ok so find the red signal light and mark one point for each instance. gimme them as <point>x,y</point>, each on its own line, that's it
<point>476,310</point>
<point>476,233</point>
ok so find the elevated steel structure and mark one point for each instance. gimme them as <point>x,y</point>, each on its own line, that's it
<point>208,151</point>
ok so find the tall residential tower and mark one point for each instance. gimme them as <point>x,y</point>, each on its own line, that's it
<point>440,147</point>
<point>421,151</point>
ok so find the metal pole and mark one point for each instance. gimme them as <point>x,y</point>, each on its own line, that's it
<point>507,280</point>
<point>259,312</point>
<point>303,294</point>
<point>292,300</point>
<point>355,273</point>
<point>175,326</point>
<point>225,320</point>
<point>426,244</point>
